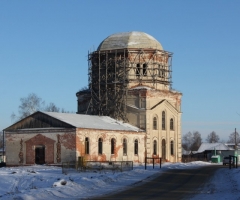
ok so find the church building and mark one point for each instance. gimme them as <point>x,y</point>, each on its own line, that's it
<point>128,112</point>
<point>130,79</point>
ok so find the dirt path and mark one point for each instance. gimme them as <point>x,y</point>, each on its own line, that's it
<point>171,184</point>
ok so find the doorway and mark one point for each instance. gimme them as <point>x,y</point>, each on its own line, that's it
<point>40,155</point>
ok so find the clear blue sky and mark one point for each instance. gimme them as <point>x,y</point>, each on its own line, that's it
<point>44,46</point>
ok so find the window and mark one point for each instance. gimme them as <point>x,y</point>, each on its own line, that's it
<point>154,147</point>
<point>86,145</point>
<point>171,146</point>
<point>171,124</point>
<point>124,146</point>
<point>113,146</point>
<point>138,70</point>
<point>142,103</point>
<point>136,147</point>
<point>163,149</point>
<point>163,120</point>
<point>100,143</point>
<point>154,123</point>
<point>160,71</point>
<point>144,69</point>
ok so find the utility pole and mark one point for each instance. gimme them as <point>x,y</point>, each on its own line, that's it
<point>235,139</point>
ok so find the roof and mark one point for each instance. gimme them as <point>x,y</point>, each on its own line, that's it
<point>213,146</point>
<point>141,87</point>
<point>185,152</point>
<point>132,39</point>
<point>92,121</point>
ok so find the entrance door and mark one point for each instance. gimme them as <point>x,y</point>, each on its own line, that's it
<point>40,155</point>
<point>163,149</point>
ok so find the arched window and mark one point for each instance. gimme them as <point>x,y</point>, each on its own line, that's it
<point>138,70</point>
<point>171,124</point>
<point>144,69</point>
<point>113,146</point>
<point>160,71</point>
<point>163,149</point>
<point>124,146</point>
<point>171,146</point>
<point>163,120</point>
<point>154,147</point>
<point>86,145</point>
<point>154,123</point>
<point>136,147</point>
<point>100,145</point>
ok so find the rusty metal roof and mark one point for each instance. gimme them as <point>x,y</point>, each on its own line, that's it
<point>132,39</point>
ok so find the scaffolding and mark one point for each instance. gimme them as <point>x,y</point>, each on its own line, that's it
<point>111,73</point>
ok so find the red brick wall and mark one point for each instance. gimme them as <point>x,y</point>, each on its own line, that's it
<point>40,140</point>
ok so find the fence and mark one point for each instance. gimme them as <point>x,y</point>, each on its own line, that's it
<point>153,161</point>
<point>68,167</point>
<point>82,165</point>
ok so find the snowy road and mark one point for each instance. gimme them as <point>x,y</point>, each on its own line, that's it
<point>170,184</point>
<point>47,182</point>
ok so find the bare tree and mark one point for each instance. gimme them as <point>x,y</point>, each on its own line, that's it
<point>187,140</point>
<point>232,138</point>
<point>191,141</point>
<point>31,104</point>
<point>212,137</point>
<point>197,141</point>
<point>52,108</point>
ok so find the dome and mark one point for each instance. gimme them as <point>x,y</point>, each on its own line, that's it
<point>132,39</point>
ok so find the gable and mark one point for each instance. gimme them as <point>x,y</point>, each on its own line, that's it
<point>166,104</point>
<point>39,140</point>
<point>39,120</point>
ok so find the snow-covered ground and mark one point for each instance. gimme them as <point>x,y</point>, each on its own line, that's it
<point>48,182</point>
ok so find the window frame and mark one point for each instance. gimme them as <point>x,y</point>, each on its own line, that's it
<point>163,120</point>
<point>113,143</point>
<point>135,147</point>
<point>172,148</point>
<point>87,146</point>
<point>155,123</point>
<point>144,69</point>
<point>138,70</point>
<point>171,124</point>
<point>154,147</point>
<point>124,146</point>
<point>100,146</point>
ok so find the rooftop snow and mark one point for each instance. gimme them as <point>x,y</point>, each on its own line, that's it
<point>141,87</point>
<point>212,146</point>
<point>92,121</point>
